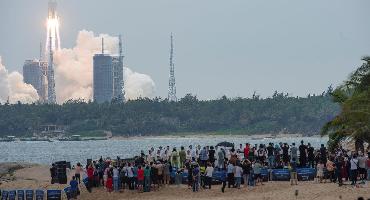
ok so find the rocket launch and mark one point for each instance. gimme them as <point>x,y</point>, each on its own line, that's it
<point>52,45</point>
<point>52,27</point>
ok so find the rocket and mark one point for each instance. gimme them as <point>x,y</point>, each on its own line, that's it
<point>52,9</point>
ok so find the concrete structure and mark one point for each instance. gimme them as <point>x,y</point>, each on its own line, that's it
<point>108,80</point>
<point>35,73</point>
<point>102,77</point>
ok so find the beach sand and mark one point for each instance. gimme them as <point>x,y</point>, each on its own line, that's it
<point>37,177</point>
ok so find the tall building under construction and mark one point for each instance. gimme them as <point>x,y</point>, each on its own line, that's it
<point>108,76</point>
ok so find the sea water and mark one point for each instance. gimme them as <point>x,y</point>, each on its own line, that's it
<point>78,151</point>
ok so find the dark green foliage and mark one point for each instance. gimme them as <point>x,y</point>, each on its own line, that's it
<point>354,98</point>
<point>156,116</point>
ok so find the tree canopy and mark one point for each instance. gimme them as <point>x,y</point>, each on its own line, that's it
<point>279,113</point>
<point>354,98</point>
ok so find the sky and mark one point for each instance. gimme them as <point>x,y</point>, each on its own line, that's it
<point>230,48</point>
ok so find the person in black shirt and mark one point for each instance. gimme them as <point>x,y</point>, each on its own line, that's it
<point>270,155</point>
<point>302,155</point>
<point>323,155</point>
<point>311,156</point>
<point>285,149</point>
<point>211,155</point>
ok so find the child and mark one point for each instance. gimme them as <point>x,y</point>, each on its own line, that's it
<point>320,171</point>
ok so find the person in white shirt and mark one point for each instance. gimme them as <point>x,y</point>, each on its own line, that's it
<point>354,167</point>
<point>209,173</point>
<point>238,171</point>
<point>116,179</point>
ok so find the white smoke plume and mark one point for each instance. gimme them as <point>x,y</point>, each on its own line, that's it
<point>74,70</point>
<point>13,87</point>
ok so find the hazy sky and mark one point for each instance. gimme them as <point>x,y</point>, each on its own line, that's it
<point>230,47</point>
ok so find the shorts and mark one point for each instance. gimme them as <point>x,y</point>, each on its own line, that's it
<point>140,182</point>
<point>362,171</point>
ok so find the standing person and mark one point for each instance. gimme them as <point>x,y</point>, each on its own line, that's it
<point>323,153</point>
<point>140,179</point>
<point>261,153</point>
<point>175,158</point>
<point>78,172</point>
<point>220,159</point>
<point>147,179</point>
<point>246,171</point>
<point>109,184</point>
<point>182,155</point>
<point>338,169</point>
<point>246,151</point>
<point>115,178</point>
<point>230,175</point>
<point>90,176</point>
<point>209,173</point>
<point>330,167</point>
<point>257,172</point>
<point>293,152</point>
<point>368,165</point>
<point>203,156</point>
<point>302,155</point>
<point>362,166</point>
<point>320,171</point>
<point>285,149</point>
<point>354,168</point>
<point>74,187</point>
<point>130,177</point>
<point>270,156</point>
<point>196,174</point>
<point>166,173</point>
<point>238,171</point>
<point>211,155</point>
<point>311,156</point>
<point>160,172</point>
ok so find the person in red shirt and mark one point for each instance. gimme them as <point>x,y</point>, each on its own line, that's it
<point>246,151</point>
<point>109,184</point>
<point>90,176</point>
<point>140,178</point>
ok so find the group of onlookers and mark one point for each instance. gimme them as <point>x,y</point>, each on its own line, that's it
<point>163,166</point>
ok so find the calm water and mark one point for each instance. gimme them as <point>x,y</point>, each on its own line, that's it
<point>79,151</point>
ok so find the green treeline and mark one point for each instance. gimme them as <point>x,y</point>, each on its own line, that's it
<point>279,113</point>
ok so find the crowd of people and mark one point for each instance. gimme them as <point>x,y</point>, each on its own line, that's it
<point>235,166</point>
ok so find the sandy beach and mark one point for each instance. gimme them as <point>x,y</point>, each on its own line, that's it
<point>37,177</point>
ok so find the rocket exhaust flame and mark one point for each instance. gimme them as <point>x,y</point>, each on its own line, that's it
<point>52,29</point>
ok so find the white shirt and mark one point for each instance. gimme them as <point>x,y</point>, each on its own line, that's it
<point>130,172</point>
<point>354,163</point>
<point>115,172</point>
<point>209,171</point>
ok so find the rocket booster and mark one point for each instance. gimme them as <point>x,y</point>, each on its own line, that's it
<point>52,12</point>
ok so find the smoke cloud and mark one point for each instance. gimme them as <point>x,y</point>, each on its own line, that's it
<point>74,70</point>
<point>13,87</point>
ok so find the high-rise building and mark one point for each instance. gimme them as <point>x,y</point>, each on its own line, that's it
<point>35,73</point>
<point>102,77</point>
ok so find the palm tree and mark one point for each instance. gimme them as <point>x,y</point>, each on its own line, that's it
<point>354,119</point>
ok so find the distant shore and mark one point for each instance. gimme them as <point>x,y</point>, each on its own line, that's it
<point>213,135</point>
